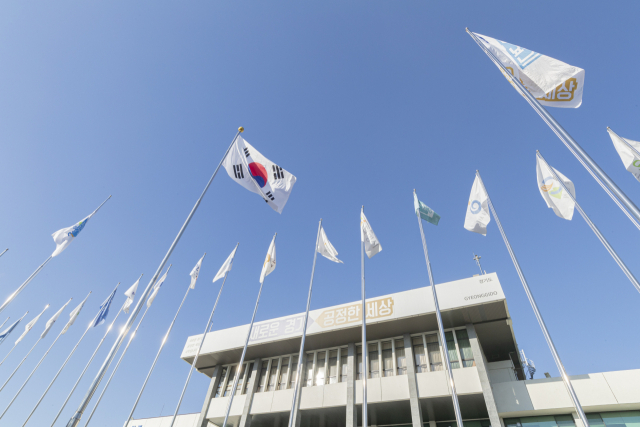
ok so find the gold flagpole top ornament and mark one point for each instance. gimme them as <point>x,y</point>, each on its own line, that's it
<point>240,129</point>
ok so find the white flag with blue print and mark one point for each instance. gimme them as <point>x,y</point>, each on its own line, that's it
<point>156,288</point>
<point>195,273</point>
<point>478,216</point>
<point>552,192</point>
<point>64,237</point>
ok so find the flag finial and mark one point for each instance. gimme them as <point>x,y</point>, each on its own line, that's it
<point>240,129</point>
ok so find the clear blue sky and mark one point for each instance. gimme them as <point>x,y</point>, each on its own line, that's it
<point>362,101</point>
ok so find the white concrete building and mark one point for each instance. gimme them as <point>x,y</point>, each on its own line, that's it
<point>406,384</point>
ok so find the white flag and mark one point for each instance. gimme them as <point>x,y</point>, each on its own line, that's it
<point>552,82</point>
<point>246,166</point>
<point>371,243</point>
<point>226,267</point>
<point>326,249</point>
<point>478,216</point>
<point>30,325</point>
<point>64,237</point>
<point>53,319</point>
<point>195,272</point>
<point>552,192</point>
<point>628,156</point>
<point>270,261</point>
<point>131,295</point>
<point>74,315</point>
<point>156,288</point>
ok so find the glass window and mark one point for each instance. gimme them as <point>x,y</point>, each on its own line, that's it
<point>232,378</point>
<point>241,380</point>
<point>263,376</point>
<point>418,353</point>
<point>374,362</point>
<point>387,359</point>
<point>359,362</point>
<point>401,362</point>
<point>451,350</point>
<point>595,420</point>
<point>544,421</point>
<point>223,375</point>
<point>433,350</point>
<point>248,375</point>
<point>272,375</point>
<point>308,371</point>
<point>476,423</point>
<point>621,419</point>
<point>284,370</point>
<point>344,367</point>
<point>465,348</point>
<point>320,367</point>
<point>333,367</point>
<point>294,371</point>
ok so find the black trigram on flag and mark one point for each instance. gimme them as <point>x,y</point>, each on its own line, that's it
<point>237,171</point>
<point>278,172</point>
<point>246,152</point>
<point>269,195</point>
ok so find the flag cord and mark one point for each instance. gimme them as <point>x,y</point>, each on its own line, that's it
<point>443,340</point>
<point>75,419</point>
<point>595,229</point>
<point>536,312</point>
<point>294,409</point>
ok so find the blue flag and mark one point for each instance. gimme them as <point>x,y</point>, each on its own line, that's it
<point>4,334</point>
<point>104,309</point>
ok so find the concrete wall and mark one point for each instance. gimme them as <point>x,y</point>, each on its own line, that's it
<point>501,372</point>
<point>187,420</point>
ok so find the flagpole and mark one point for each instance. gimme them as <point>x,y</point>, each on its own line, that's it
<point>593,227</point>
<point>193,364</point>
<point>244,350</point>
<point>365,348</point>
<point>564,136</point>
<point>18,367</point>
<point>534,306</point>
<point>24,284</point>
<point>5,321</point>
<point>14,346</point>
<point>75,419</point>
<point>304,330</point>
<point>443,340</point>
<point>1,255</point>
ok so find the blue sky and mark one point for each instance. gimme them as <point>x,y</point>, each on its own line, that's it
<point>362,101</point>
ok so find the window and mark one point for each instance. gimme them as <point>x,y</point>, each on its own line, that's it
<point>241,380</point>
<point>333,367</point>
<point>359,362</point>
<point>308,372</point>
<point>284,370</point>
<point>232,376</point>
<point>544,421</point>
<point>223,377</point>
<point>451,350</point>
<point>273,372</point>
<point>387,359</point>
<point>418,352</point>
<point>294,372</point>
<point>465,348</point>
<point>321,358</point>
<point>249,376</point>
<point>263,376</point>
<point>344,367</point>
<point>374,362</point>
<point>433,350</point>
<point>401,361</point>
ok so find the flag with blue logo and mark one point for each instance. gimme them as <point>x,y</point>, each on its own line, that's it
<point>478,216</point>
<point>65,236</point>
<point>425,211</point>
<point>104,309</point>
<point>4,334</point>
<point>552,82</point>
<point>156,287</point>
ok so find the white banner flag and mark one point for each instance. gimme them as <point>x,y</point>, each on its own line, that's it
<point>30,325</point>
<point>478,216</point>
<point>553,83</point>
<point>226,267</point>
<point>270,261</point>
<point>552,192</point>
<point>195,272</point>
<point>65,236</point>
<point>246,166</point>
<point>74,315</point>
<point>326,249</point>
<point>371,244</point>
<point>131,295</point>
<point>156,288</point>
<point>629,157</point>
<point>53,319</point>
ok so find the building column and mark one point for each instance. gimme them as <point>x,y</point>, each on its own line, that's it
<point>352,415</point>
<point>483,373</point>
<point>245,419</point>
<point>213,385</point>
<point>414,403</point>
<point>297,417</point>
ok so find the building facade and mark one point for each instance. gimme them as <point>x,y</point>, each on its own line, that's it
<point>406,381</point>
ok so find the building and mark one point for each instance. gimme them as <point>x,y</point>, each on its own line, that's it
<point>406,383</point>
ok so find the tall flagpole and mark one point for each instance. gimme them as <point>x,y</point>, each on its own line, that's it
<point>304,330</point>
<point>75,419</point>
<point>443,340</point>
<point>195,360</point>
<point>244,350</point>
<point>24,284</point>
<point>1,255</point>
<point>14,346</point>
<point>5,322</point>
<point>568,141</point>
<point>593,227</point>
<point>18,367</point>
<point>365,348</point>
<point>534,306</point>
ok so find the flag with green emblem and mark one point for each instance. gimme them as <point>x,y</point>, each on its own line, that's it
<point>425,211</point>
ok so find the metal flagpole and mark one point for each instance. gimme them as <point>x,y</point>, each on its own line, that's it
<point>14,346</point>
<point>593,227</point>
<point>75,419</point>
<point>244,352</point>
<point>365,349</point>
<point>24,284</point>
<point>534,306</point>
<point>443,339</point>
<point>1,255</point>
<point>184,389</point>
<point>304,330</point>
<point>593,168</point>
<point>5,321</point>
<point>18,367</point>
<point>81,375</point>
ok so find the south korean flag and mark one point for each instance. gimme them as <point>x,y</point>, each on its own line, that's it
<point>246,166</point>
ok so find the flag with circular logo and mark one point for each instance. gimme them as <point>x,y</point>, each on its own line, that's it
<point>552,192</point>
<point>478,216</point>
